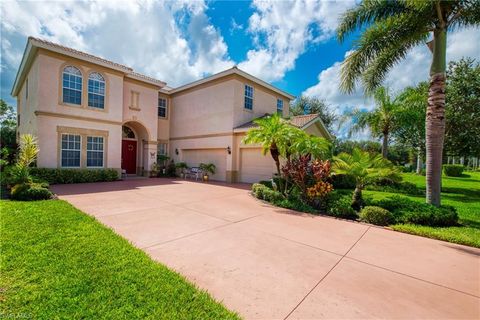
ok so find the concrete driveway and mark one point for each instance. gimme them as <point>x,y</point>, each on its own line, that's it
<point>269,263</point>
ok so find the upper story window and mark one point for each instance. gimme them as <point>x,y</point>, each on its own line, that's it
<point>96,90</point>
<point>280,106</point>
<point>162,107</point>
<point>72,85</point>
<point>248,97</point>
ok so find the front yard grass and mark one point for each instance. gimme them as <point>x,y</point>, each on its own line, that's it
<point>59,263</point>
<point>461,192</point>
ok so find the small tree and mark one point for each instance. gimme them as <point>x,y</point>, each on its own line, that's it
<point>313,105</point>
<point>364,167</point>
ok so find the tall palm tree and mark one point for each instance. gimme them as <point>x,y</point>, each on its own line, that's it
<point>390,28</point>
<point>363,167</point>
<point>380,120</point>
<point>273,134</point>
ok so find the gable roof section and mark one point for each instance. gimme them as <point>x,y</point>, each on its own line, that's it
<point>237,71</point>
<point>301,122</point>
<point>34,44</point>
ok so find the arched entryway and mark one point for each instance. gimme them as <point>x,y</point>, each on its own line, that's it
<point>134,137</point>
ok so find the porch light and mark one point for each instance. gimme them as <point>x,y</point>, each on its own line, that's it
<point>229,150</point>
<point>176,151</point>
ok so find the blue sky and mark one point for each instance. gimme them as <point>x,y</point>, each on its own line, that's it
<point>290,44</point>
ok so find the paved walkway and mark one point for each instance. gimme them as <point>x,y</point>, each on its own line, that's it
<point>268,263</point>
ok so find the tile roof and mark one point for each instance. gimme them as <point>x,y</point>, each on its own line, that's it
<point>81,53</point>
<point>297,121</point>
<point>300,121</point>
<point>128,71</point>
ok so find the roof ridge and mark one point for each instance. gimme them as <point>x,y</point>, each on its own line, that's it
<point>130,70</point>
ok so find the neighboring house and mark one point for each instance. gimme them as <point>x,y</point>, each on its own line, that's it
<point>88,112</point>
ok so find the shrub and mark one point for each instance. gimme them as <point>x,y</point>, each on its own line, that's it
<point>30,192</point>
<point>267,183</point>
<point>271,195</point>
<point>408,211</point>
<point>376,215</point>
<point>294,204</point>
<point>403,187</point>
<point>343,181</point>
<point>64,176</point>
<point>257,190</point>
<point>453,170</point>
<point>342,208</point>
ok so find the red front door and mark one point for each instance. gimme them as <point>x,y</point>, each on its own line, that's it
<point>129,156</point>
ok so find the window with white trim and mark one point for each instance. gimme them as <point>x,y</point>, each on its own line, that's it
<point>162,149</point>
<point>71,148</point>
<point>162,107</point>
<point>72,85</point>
<point>248,97</point>
<point>94,151</point>
<point>96,90</point>
<point>280,106</point>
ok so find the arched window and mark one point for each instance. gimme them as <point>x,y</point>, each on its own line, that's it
<point>96,90</point>
<point>72,85</point>
<point>127,133</point>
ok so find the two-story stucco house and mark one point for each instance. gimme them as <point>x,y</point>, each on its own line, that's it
<point>88,112</point>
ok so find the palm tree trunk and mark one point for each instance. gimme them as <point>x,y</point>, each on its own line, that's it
<point>435,120</point>
<point>419,160</point>
<point>385,146</point>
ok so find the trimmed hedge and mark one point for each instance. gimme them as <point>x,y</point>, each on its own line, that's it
<point>376,215</point>
<point>65,176</point>
<point>453,170</point>
<point>405,210</point>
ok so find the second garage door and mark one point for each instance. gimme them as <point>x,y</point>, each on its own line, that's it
<point>193,158</point>
<point>254,166</point>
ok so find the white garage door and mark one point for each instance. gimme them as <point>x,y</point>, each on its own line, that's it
<point>254,166</point>
<point>218,157</point>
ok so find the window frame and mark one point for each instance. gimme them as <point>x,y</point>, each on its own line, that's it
<point>63,88</point>
<point>165,107</point>
<point>68,149</point>
<point>280,110</point>
<point>104,82</point>
<point>95,151</point>
<point>247,97</point>
<point>166,148</point>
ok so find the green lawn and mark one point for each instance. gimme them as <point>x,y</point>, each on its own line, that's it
<point>59,263</point>
<point>463,193</point>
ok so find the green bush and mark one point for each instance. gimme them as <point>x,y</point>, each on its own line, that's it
<point>294,204</point>
<point>405,210</point>
<point>266,183</point>
<point>257,190</point>
<point>453,170</point>
<point>342,208</point>
<point>403,187</point>
<point>30,192</point>
<point>376,215</point>
<point>343,181</point>
<point>272,195</point>
<point>65,176</point>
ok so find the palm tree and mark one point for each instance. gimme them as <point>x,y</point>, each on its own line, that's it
<point>411,119</point>
<point>380,120</point>
<point>364,167</point>
<point>273,134</point>
<point>311,146</point>
<point>390,29</point>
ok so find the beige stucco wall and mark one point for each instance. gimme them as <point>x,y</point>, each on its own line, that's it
<point>316,130</point>
<point>146,113</point>
<point>264,101</point>
<point>48,140</point>
<point>50,88</point>
<point>26,106</point>
<point>206,110</point>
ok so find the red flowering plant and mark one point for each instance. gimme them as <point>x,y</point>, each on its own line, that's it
<point>310,177</point>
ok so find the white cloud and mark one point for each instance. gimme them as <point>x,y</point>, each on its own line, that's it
<point>282,31</point>
<point>412,70</point>
<point>146,35</point>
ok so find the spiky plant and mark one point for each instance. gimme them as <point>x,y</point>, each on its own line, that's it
<point>390,28</point>
<point>363,167</point>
